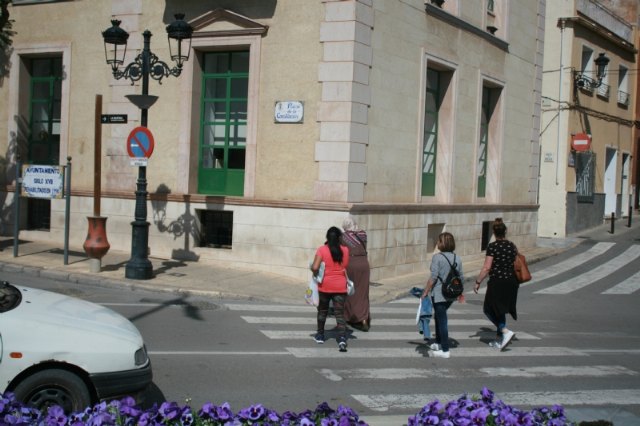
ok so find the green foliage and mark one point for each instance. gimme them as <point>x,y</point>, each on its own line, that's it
<point>6,25</point>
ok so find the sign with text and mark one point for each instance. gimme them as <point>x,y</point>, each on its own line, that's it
<point>42,181</point>
<point>289,112</point>
<point>113,118</point>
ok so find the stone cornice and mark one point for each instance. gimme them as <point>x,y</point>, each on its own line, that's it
<point>360,208</point>
<point>466,26</point>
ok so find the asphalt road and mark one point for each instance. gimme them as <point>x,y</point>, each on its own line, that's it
<point>577,343</point>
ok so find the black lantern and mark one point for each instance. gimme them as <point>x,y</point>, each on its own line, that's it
<point>179,32</point>
<point>115,44</point>
<point>582,81</point>
<point>601,66</point>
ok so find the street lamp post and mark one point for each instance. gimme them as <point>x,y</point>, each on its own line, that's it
<point>584,82</point>
<point>145,65</point>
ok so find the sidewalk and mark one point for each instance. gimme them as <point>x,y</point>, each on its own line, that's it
<point>214,279</point>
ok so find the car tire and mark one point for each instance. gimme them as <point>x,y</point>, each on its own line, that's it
<point>54,387</point>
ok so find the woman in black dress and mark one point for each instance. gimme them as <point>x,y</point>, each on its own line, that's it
<point>502,288</point>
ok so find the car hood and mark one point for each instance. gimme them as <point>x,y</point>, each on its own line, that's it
<point>43,312</point>
<point>48,327</point>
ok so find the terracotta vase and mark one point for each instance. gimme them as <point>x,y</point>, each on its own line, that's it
<point>96,244</point>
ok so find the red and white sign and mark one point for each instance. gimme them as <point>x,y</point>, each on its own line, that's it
<point>581,142</point>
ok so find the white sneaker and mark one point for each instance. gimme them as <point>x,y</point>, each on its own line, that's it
<point>435,346</point>
<point>495,344</point>
<point>506,339</point>
<point>440,354</point>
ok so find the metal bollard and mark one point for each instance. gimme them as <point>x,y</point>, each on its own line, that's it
<point>613,221</point>
<point>629,218</point>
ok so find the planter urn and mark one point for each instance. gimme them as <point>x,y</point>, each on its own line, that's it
<point>96,244</point>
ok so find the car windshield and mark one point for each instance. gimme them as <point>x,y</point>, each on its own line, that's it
<point>10,297</point>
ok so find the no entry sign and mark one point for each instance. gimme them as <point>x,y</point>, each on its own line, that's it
<point>140,143</point>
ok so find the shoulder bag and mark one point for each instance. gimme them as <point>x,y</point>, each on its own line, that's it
<point>521,269</point>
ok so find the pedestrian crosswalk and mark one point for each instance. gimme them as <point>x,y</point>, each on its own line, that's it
<point>601,271</point>
<point>589,275</point>
<point>394,353</point>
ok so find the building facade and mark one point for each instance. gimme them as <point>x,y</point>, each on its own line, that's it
<point>588,122</point>
<point>414,117</point>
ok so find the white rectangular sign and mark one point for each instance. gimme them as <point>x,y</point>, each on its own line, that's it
<point>139,161</point>
<point>40,181</point>
<point>289,112</point>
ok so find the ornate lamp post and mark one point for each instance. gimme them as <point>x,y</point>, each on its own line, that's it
<point>582,81</point>
<point>145,65</point>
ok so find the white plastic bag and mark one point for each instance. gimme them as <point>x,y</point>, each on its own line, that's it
<point>311,295</point>
<point>351,288</point>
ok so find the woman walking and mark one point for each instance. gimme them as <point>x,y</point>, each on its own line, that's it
<point>333,286</point>
<point>441,264</point>
<point>356,308</point>
<point>502,288</point>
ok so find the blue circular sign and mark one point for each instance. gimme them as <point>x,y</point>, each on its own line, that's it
<point>140,143</point>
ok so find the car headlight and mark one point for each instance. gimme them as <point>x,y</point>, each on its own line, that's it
<point>141,357</point>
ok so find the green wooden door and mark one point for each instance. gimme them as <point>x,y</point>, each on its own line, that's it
<point>223,124</point>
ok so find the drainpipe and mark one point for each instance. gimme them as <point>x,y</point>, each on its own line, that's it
<point>562,24</point>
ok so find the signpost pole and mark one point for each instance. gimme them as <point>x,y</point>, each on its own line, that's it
<point>16,208</point>
<point>67,210</point>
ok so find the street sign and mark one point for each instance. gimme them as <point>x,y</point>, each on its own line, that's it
<point>42,181</point>
<point>140,143</point>
<point>113,118</point>
<point>140,162</point>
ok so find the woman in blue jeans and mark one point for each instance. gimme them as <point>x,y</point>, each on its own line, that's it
<point>440,267</point>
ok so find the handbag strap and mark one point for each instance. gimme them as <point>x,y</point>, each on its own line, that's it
<point>455,264</point>
<point>355,234</point>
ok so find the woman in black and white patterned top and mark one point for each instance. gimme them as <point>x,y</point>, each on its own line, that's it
<point>502,288</point>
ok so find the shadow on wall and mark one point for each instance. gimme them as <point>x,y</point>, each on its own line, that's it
<point>253,9</point>
<point>185,226</point>
<point>15,147</point>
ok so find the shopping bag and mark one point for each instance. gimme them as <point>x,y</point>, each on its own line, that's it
<point>311,294</point>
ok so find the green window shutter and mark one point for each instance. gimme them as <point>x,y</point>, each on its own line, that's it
<point>484,141</point>
<point>430,136</point>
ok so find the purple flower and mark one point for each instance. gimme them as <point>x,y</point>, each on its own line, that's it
<point>186,417</point>
<point>169,411</point>
<point>55,416</point>
<point>487,395</point>
<point>305,421</point>
<point>479,416</point>
<point>255,412</point>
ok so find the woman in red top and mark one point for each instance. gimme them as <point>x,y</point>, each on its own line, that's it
<point>334,284</point>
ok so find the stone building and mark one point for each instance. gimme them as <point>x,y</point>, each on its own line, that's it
<point>587,142</point>
<point>288,115</point>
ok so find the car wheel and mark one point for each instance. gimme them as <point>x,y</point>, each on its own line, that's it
<point>54,387</point>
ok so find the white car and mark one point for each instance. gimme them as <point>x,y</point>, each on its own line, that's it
<point>59,350</point>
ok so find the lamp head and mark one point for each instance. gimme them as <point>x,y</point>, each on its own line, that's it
<point>601,65</point>
<point>179,34</point>
<point>115,44</point>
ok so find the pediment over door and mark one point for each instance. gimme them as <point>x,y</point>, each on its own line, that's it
<point>222,22</point>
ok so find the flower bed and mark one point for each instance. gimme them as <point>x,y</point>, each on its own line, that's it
<point>486,410</point>
<point>465,411</point>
